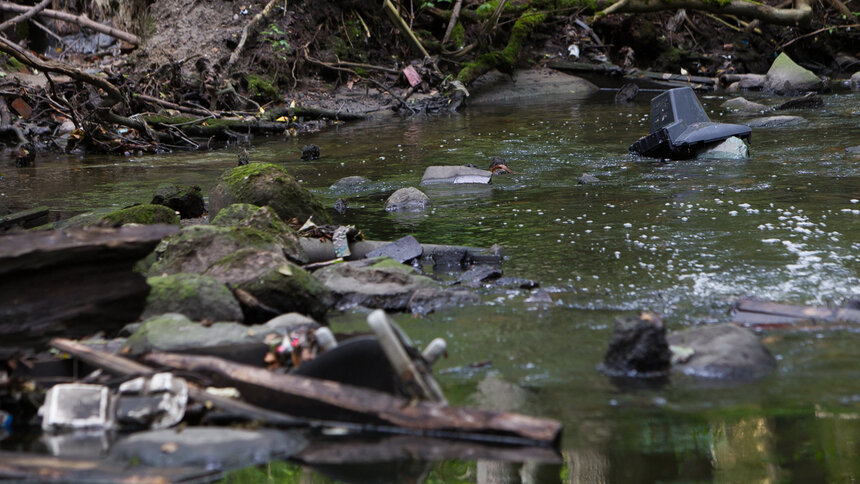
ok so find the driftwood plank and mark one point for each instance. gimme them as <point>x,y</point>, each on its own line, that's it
<point>755,313</point>
<point>317,398</point>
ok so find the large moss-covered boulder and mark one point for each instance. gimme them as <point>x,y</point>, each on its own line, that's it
<point>266,220</point>
<point>786,77</point>
<point>379,282</point>
<point>274,282</point>
<point>195,296</point>
<point>142,214</point>
<point>265,184</point>
<point>188,201</point>
<point>196,248</point>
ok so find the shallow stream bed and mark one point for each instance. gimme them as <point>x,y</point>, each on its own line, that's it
<point>684,239</point>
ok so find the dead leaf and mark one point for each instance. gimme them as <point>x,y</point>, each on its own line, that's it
<point>169,447</point>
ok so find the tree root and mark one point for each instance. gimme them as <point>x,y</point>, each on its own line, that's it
<point>81,20</point>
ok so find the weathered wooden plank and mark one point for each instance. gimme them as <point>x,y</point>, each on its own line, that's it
<point>752,312</point>
<point>315,398</point>
<point>26,218</point>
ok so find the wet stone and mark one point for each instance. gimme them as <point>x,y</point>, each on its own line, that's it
<point>401,250</point>
<point>638,348</point>
<point>776,122</point>
<point>427,300</point>
<point>588,179</point>
<point>809,101</point>
<point>310,152</point>
<point>188,201</point>
<point>476,275</point>
<point>720,351</point>
<point>742,105</point>
<point>409,199</point>
<point>350,184</point>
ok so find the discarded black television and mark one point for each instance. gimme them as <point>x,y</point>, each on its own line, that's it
<point>680,127</point>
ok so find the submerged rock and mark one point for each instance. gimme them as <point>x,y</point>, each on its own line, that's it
<point>350,184</point>
<point>429,299</point>
<point>265,184</point>
<point>195,296</point>
<point>809,101</point>
<point>786,77</point>
<point>408,199</point>
<point>142,214</point>
<point>742,105</point>
<point>588,179</point>
<point>188,201</point>
<point>455,175</point>
<point>854,81</point>
<point>310,152</point>
<point>732,148</point>
<point>720,351</point>
<point>379,282</point>
<point>638,348</point>
<point>266,220</point>
<point>213,448</point>
<point>775,122</point>
<point>402,250</point>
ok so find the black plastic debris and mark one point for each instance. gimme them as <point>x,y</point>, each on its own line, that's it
<point>680,127</point>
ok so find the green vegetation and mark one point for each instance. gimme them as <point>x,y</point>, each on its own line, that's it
<point>143,214</point>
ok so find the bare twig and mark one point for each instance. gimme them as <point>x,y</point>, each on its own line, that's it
<point>81,20</point>
<point>23,17</point>
<point>170,105</point>
<point>814,32</point>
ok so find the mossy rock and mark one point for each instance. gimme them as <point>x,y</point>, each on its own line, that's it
<point>197,297</point>
<point>83,219</point>
<point>196,248</point>
<point>262,89</point>
<point>175,332</point>
<point>786,77</point>
<point>265,184</point>
<point>379,282</point>
<point>266,220</point>
<point>188,201</point>
<point>273,281</point>
<point>142,214</point>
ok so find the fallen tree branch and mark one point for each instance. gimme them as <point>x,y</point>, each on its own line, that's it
<point>815,32</point>
<point>26,15</point>
<point>81,20</point>
<point>800,15</point>
<point>170,105</point>
<point>455,17</point>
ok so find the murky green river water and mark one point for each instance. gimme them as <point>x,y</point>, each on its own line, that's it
<point>684,239</point>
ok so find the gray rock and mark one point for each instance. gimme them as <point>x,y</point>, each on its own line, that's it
<point>751,81</point>
<point>213,448</point>
<point>853,150</point>
<point>477,274</point>
<point>197,297</point>
<point>786,77</point>
<point>175,332</point>
<point>429,299</point>
<point>742,105</point>
<point>141,214</point>
<point>720,351</point>
<point>733,148</point>
<point>188,201</point>
<point>375,283</point>
<point>266,220</point>
<point>290,321</point>
<point>350,184</point>
<point>401,250</point>
<point>455,175</point>
<point>407,199</point>
<point>775,122</point>
<point>588,179</point>
<point>854,81</point>
<point>265,184</point>
<point>276,284</point>
<point>532,84</point>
